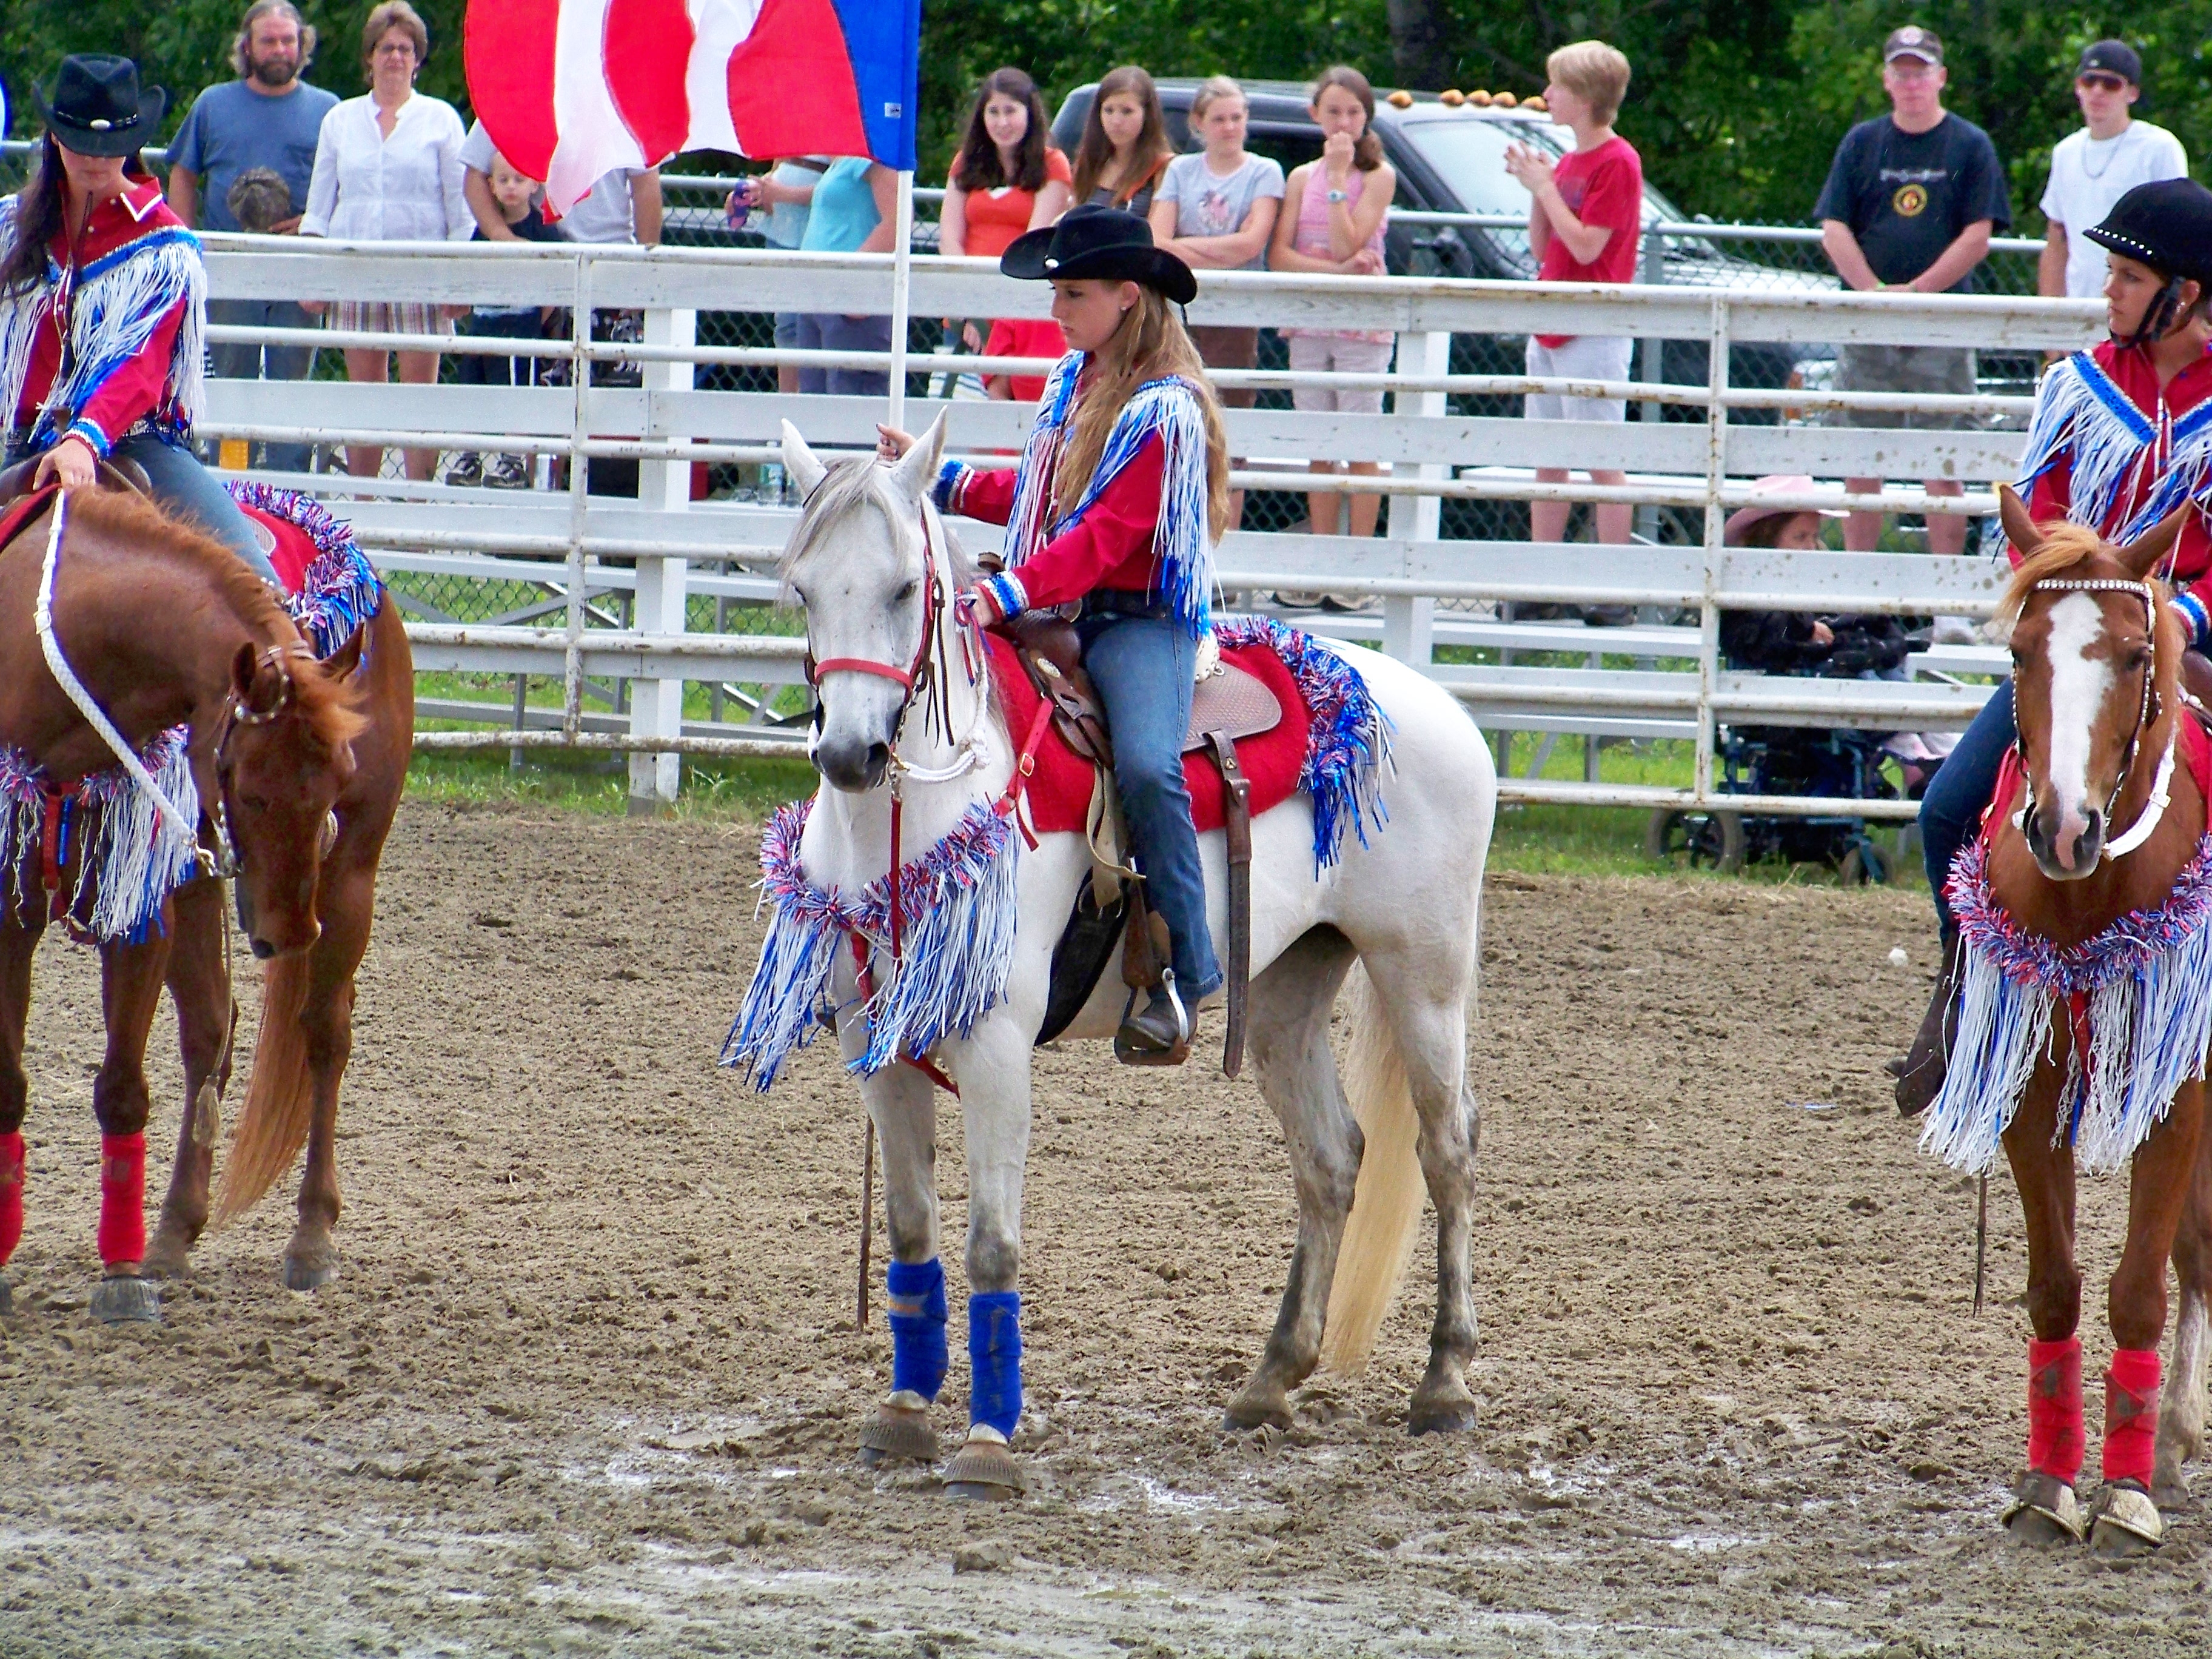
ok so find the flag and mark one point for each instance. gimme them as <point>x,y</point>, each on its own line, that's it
<point>571,89</point>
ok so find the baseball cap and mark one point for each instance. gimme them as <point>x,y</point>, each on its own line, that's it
<point>1913,41</point>
<point>2111,57</point>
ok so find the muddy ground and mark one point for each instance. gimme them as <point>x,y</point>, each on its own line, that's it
<point>589,1383</point>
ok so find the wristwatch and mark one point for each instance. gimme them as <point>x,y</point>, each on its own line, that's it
<point>1336,196</point>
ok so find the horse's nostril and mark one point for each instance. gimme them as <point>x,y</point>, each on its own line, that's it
<point>262,950</point>
<point>879,756</point>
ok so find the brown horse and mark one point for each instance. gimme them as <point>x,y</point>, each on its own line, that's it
<point>302,763</point>
<point>2081,1041</point>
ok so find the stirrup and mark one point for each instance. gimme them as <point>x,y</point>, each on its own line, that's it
<point>1130,1053</point>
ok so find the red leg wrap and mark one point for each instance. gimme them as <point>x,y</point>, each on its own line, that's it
<point>2055,1438</point>
<point>2132,1415</point>
<point>11,1194</point>
<point>122,1198</point>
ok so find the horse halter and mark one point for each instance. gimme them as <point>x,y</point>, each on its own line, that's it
<point>2116,847</point>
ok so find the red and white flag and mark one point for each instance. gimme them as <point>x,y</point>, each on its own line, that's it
<point>571,89</point>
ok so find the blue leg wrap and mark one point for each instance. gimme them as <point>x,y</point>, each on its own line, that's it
<point>914,1293</point>
<point>994,1353</point>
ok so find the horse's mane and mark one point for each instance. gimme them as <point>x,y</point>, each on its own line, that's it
<point>2076,550</point>
<point>331,707</point>
<point>854,483</point>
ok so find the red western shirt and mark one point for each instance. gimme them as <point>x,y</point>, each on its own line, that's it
<point>2132,371</point>
<point>139,386</point>
<point>1111,546</point>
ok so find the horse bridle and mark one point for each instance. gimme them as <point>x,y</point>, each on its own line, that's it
<point>235,713</point>
<point>2116,847</point>
<point>923,680</point>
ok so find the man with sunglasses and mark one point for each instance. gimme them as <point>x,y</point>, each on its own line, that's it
<point>2091,168</point>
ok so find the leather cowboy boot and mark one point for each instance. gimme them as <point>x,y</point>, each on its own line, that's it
<point>1159,1028</point>
<point>1920,1074</point>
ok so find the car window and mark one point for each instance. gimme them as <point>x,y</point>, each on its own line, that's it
<point>1292,147</point>
<point>1470,157</point>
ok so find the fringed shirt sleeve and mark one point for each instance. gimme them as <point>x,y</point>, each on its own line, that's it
<point>130,390</point>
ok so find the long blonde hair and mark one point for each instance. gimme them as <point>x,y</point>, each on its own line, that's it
<point>1150,343</point>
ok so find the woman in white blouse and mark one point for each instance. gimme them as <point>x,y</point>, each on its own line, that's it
<point>388,167</point>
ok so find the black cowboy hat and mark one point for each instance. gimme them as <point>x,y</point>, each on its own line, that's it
<point>2166,225</point>
<point>1099,241</point>
<point>96,108</point>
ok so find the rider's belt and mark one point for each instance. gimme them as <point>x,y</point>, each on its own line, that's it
<point>1121,602</point>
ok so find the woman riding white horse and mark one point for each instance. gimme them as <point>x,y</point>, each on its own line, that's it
<point>1123,487</point>
<point>913,916</point>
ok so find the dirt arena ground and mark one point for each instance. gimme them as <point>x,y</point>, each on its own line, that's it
<point>589,1384</point>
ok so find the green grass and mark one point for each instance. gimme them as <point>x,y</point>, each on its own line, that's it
<point>1545,840</point>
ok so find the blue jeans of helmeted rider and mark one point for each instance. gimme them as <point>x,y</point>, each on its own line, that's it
<point>185,488</point>
<point>1951,811</point>
<point>1141,659</point>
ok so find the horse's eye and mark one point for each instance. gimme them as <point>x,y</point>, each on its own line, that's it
<point>905,593</point>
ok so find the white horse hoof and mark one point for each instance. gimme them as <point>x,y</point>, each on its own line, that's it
<point>983,1470</point>
<point>2045,1512</point>
<point>2127,1524</point>
<point>897,1429</point>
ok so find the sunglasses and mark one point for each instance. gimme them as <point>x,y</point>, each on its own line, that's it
<point>2101,82</point>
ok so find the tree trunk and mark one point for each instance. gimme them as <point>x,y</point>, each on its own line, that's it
<point>1418,29</point>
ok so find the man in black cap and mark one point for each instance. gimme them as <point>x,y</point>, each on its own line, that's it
<point>2091,168</point>
<point>1911,202</point>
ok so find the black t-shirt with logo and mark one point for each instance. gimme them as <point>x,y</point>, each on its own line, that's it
<point>1907,196</point>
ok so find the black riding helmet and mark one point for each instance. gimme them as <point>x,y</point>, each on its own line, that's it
<point>1102,242</point>
<point>2166,225</point>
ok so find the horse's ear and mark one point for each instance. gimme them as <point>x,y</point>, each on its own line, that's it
<point>806,468</point>
<point>341,662</point>
<point>2145,553</point>
<point>916,472</point>
<point>244,665</point>
<point>2019,527</point>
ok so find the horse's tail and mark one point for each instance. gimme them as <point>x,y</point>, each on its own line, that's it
<point>280,1097</point>
<point>1386,1207</point>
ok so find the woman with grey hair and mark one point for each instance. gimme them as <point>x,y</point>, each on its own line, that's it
<point>388,167</point>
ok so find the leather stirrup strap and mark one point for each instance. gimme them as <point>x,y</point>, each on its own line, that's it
<point>1236,820</point>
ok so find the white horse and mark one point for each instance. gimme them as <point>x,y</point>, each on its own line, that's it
<point>872,565</point>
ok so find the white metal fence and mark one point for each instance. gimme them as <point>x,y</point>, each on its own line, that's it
<point>625,602</point>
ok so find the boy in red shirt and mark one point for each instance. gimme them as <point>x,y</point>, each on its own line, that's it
<point>1585,225</point>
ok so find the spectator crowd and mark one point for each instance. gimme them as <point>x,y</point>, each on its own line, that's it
<point>1911,202</point>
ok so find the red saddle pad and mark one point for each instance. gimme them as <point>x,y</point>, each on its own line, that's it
<point>1059,793</point>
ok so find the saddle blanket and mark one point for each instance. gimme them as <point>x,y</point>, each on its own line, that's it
<point>1058,794</point>
<point>125,865</point>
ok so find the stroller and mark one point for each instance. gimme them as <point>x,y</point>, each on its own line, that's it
<point>1787,760</point>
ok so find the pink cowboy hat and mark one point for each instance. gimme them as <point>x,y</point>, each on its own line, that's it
<point>1779,483</point>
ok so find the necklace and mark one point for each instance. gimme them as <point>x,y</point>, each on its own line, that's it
<point>2112,150</point>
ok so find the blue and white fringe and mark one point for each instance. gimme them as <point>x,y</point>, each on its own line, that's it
<point>119,300</point>
<point>957,911</point>
<point>2146,983</point>
<point>1347,740</point>
<point>2082,417</point>
<point>133,859</point>
<point>1167,409</point>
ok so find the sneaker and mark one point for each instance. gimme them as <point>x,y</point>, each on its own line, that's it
<point>467,469</point>
<point>508,472</point>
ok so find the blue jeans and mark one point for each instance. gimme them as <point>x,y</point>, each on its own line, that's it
<point>184,486</point>
<point>831,330</point>
<point>1951,811</point>
<point>1142,666</point>
<point>260,362</point>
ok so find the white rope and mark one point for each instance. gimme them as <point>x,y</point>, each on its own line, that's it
<point>172,818</point>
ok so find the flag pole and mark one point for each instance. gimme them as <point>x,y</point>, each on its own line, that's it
<point>901,277</point>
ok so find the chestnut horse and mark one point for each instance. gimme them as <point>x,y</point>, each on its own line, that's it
<point>2086,996</point>
<point>303,760</point>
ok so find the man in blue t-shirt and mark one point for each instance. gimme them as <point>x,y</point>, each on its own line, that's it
<point>267,118</point>
<point>1911,202</point>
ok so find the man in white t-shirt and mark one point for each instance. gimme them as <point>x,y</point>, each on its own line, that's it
<point>2092,168</point>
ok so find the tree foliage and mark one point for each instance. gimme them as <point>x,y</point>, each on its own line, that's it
<point>1736,105</point>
